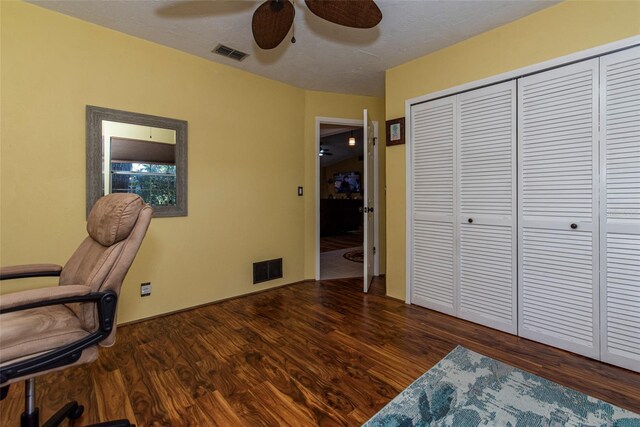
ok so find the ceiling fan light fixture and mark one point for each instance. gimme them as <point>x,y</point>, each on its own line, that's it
<point>324,152</point>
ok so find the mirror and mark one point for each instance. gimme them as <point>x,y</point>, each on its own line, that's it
<point>137,153</point>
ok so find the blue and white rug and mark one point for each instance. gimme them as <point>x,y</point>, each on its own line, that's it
<point>467,389</point>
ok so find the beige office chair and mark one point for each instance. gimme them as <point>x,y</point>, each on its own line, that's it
<point>49,329</point>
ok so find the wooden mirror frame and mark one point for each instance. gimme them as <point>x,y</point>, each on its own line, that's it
<point>95,116</point>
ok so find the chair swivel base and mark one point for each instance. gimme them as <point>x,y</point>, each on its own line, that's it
<point>69,411</point>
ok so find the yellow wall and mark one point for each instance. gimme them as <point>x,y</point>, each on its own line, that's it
<point>553,32</point>
<point>245,162</point>
<point>323,104</point>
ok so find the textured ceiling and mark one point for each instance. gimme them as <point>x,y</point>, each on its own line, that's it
<point>326,57</point>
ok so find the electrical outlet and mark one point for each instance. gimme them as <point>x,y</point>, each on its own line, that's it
<point>145,289</point>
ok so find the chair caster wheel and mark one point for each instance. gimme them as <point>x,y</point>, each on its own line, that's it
<point>76,413</point>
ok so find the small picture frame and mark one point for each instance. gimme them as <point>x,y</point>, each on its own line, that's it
<point>395,131</point>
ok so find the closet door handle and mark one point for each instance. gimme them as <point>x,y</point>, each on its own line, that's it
<point>470,220</point>
<point>574,226</point>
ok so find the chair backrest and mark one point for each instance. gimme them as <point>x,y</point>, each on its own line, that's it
<point>116,225</point>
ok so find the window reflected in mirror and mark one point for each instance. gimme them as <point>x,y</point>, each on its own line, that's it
<point>137,153</point>
<point>142,166</point>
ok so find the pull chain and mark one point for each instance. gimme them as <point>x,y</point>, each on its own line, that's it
<point>293,26</point>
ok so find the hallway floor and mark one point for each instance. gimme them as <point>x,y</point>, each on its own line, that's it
<point>333,265</point>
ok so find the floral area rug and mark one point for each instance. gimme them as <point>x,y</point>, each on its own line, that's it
<point>467,389</point>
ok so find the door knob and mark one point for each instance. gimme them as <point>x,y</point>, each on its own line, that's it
<point>574,226</point>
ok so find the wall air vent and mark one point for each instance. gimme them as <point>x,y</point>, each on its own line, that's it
<point>230,52</point>
<point>267,270</point>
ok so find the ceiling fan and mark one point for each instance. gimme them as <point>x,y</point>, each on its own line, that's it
<point>325,152</point>
<point>273,19</point>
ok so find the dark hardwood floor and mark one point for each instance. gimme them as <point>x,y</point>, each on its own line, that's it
<point>307,354</point>
<point>341,241</point>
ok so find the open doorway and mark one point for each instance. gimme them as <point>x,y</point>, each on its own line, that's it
<point>340,176</point>
<point>341,200</point>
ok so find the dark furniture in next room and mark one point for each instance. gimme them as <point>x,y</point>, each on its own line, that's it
<point>338,216</point>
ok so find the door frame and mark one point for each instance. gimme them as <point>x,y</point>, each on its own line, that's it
<point>376,201</point>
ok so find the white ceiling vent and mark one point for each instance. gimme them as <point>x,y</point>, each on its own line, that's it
<point>230,52</point>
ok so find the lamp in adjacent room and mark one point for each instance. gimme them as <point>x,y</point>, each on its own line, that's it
<point>352,140</point>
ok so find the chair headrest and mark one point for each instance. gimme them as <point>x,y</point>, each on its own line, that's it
<point>113,216</point>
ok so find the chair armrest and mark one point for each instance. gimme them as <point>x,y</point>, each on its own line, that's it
<point>39,297</point>
<point>106,303</point>
<point>29,270</point>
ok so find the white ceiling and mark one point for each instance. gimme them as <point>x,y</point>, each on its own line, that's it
<point>326,57</point>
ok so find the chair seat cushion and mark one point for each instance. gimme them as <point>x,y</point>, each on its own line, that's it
<point>37,330</point>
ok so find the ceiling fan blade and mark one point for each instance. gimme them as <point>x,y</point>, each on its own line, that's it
<point>271,22</point>
<point>349,13</point>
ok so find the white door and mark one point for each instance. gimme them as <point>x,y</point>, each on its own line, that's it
<point>486,165</point>
<point>432,207</point>
<point>368,202</point>
<point>620,208</point>
<point>558,208</point>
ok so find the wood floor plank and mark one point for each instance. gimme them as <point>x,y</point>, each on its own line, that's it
<point>174,396</point>
<point>315,353</point>
<point>281,406</point>
<point>12,406</point>
<point>148,404</point>
<point>214,410</point>
<point>111,403</point>
<point>250,411</point>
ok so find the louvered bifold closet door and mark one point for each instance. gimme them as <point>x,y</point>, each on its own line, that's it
<point>620,208</point>
<point>432,185</point>
<point>558,207</point>
<point>486,165</point>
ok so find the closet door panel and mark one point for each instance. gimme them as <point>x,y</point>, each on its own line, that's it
<point>433,179</point>
<point>433,271</point>
<point>486,281</point>
<point>557,281</point>
<point>558,207</point>
<point>620,215</point>
<point>486,219</point>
